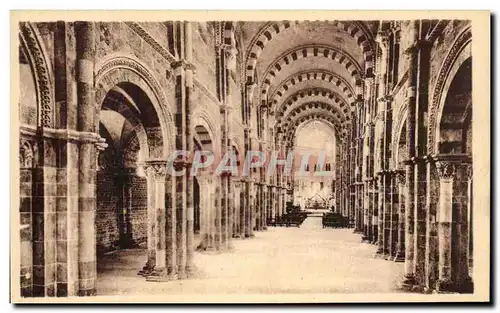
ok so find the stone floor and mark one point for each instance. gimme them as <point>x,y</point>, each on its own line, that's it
<point>308,259</point>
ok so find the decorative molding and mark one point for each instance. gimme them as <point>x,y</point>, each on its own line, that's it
<point>458,46</point>
<point>42,70</point>
<point>26,154</point>
<point>446,169</point>
<point>157,168</point>
<point>139,30</point>
<point>62,134</point>
<point>129,63</point>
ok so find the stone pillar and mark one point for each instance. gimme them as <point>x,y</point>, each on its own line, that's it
<point>156,267</point>
<point>243,207</point>
<point>180,164</point>
<point>412,54</point>
<point>265,204</point>
<point>85,52</point>
<point>188,47</point>
<point>431,243</point>
<point>381,214</point>
<point>394,215</point>
<point>366,209</point>
<point>420,222</point>
<point>369,206</point>
<point>387,214</point>
<point>151,222</point>
<point>446,172</point>
<point>453,232</point>
<point>400,247</point>
<point>170,228</point>
<point>375,217</point>
<point>217,196</point>
<point>224,179</point>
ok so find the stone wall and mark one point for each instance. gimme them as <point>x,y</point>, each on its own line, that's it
<point>106,220</point>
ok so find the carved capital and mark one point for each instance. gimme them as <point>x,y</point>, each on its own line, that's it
<point>401,177</point>
<point>446,169</point>
<point>156,168</point>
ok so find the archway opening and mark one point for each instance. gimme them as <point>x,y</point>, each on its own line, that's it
<point>130,125</point>
<point>455,131</point>
<point>203,193</point>
<point>455,140</point>
<point>314,191</point>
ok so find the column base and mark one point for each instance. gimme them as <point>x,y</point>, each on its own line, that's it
<point>249,235</point>
<point>380,253</point>
<point>161,275</point>
<point>445,285</point>
<point>467,286</point>
<point>388,257</point>
<point>429,290</point>
<point>87,292</point>
<point>418,289</point>
<point>193,272</point>
<point>408,282</point>
<point>236,236</point>
<point>181,273</point>
<point>205,249</point>
<point>400,257</point>
<point>146,270</point>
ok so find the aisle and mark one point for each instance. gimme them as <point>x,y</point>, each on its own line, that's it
<point>308,259</point>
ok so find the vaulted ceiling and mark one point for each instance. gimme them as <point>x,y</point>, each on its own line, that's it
<point>308,70</point>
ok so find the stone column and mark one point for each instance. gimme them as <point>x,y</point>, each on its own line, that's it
<point>381,215</point>
<point>188,47</point>
<point>375,218</point>
<point>400,247</point>
<point>85,53</point>
<point>218,214</point>
<point>156,268</point>
<point>170,228</point>
<point>369,206</point>
<point>431,243</point>
<point>453,232</point>
<point>180,164</point>
<point>151,222</point>
<point>446,172</point>
<point>420,222</point>
<point>394,215</point>
<point>243,207</point>
<point>387,214</point>
<point>412,54</point>
<point>366,209</point>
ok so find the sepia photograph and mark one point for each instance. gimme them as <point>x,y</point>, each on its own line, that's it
<point>238,157</point>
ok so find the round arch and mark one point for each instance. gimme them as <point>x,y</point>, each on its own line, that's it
<point>321,95</point>
<point>313,75</point>
<point>307,108</point>
<point>41,69</point>
<point>459,52</point>
<point>306,51</point>
<point>203,127</point>
<point>268,31</point>
<point>116,69</point>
